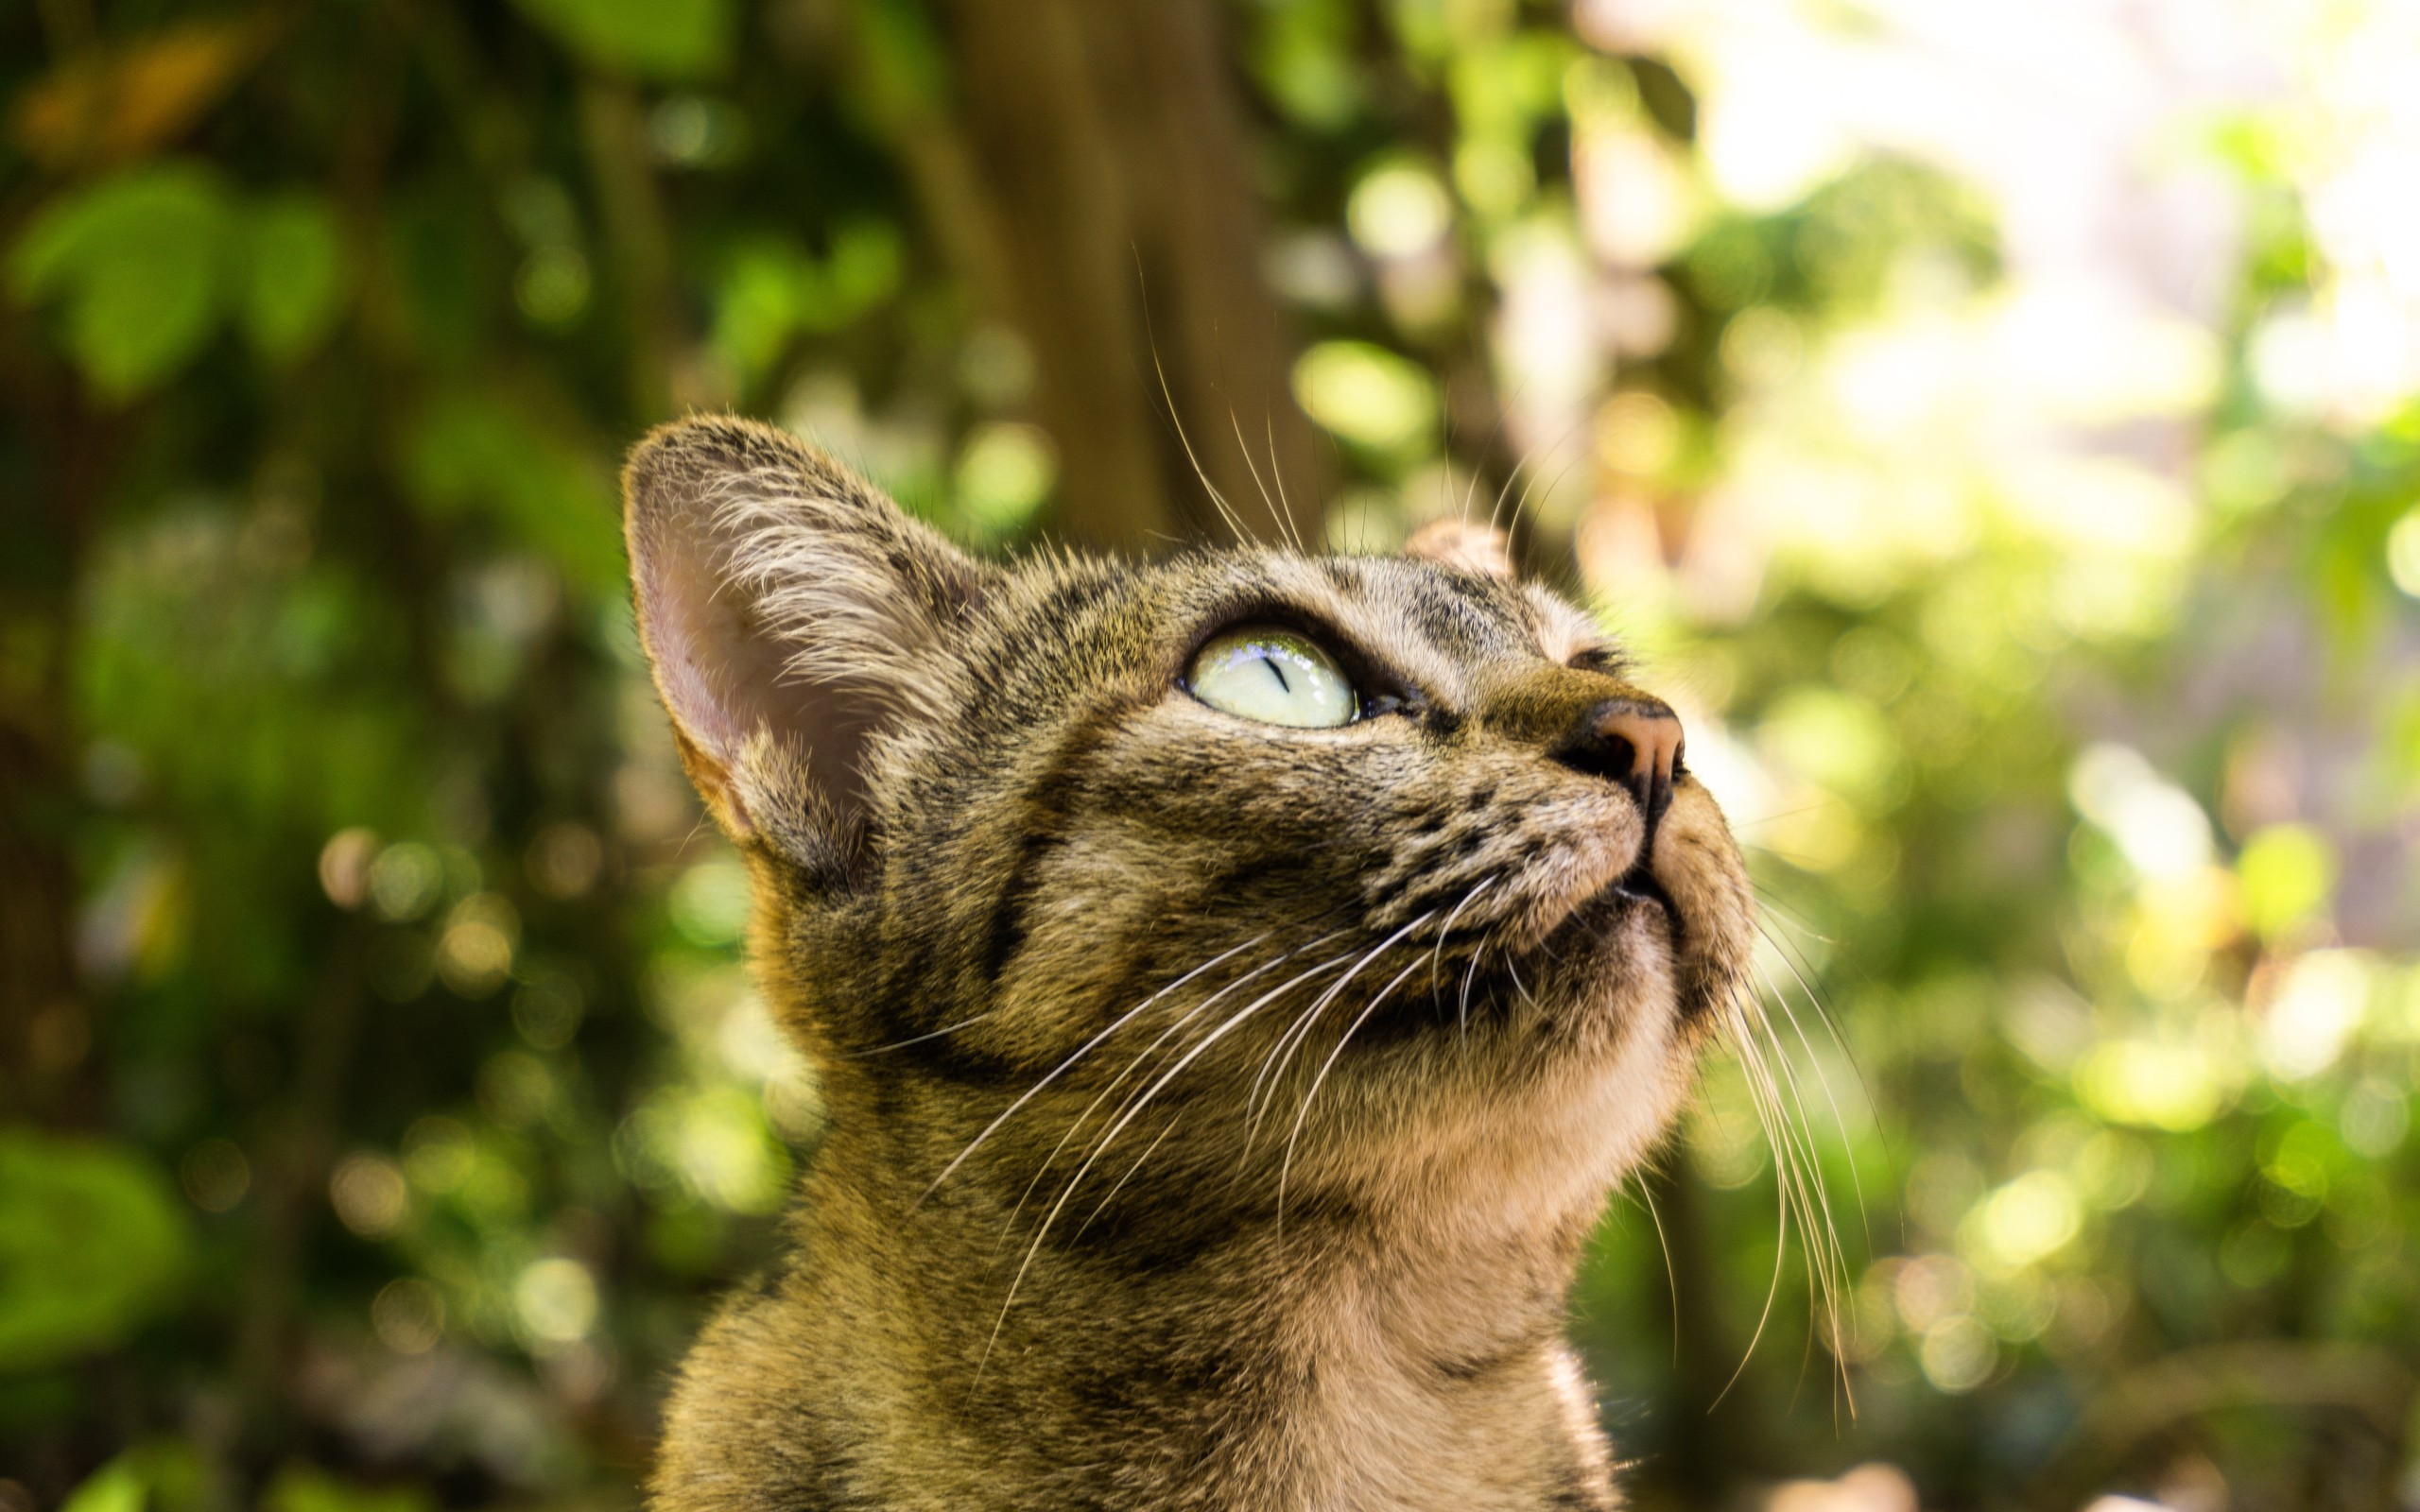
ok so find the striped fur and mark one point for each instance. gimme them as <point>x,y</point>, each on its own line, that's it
<point>1217,1110</point>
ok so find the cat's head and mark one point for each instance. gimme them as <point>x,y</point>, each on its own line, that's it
<point>1374,871</point>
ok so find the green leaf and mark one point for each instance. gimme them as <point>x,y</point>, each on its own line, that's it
<point>863,270</point>
<point>117,1486</point>
<point>901,70</point>
<point>137,259</point>
<point>92,1241</point>
<point>1305,58</point>
<point>164,1474</point>
<point>649,39</point>
<point>303,1489</point>
<point>291,283</point>
<point>756,306</point>
<point>772,288</point>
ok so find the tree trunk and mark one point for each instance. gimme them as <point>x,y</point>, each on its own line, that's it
<point>1700,1454</point>
<point>1108,139</point>
<point>48,1066</point>
<point>1166,71</point>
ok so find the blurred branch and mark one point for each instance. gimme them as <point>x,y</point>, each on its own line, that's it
<point>887,77</point>
<point>1042,142</point>
<point>360,171</point>
<point>613,132</point>
<point>47,1069</point>
<point>46,1032</point>
<point>2370,1383</point>
<point>68,26</point>
<point>1090,185</point>
<point>295,1157</point>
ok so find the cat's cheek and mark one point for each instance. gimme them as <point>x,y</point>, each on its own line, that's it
<point>1074,937</point>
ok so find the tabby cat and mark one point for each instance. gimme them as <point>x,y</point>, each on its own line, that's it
<point>1236,983</point>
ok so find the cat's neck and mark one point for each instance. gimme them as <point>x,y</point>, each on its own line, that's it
<point>1334,1355</point>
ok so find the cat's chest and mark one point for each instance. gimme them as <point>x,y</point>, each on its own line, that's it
<point>1425,1451</point>
<point>1465,1413</point>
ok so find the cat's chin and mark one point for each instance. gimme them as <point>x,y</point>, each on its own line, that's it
<point>1611,954</point>
<point>1528,1122</point>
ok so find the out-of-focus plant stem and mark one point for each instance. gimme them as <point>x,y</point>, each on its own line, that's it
<point>2361,1382</point>
<point>49,1068</point>
<point>295,1154</point>
<point>613,132</point>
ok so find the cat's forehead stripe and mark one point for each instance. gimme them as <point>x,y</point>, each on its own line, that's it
<point>1466,615</point>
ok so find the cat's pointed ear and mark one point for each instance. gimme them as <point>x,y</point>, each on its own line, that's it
<point>1454,542</point>
<point>792,614</point>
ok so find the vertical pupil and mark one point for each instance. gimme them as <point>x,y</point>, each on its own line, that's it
<point>1313,691</point>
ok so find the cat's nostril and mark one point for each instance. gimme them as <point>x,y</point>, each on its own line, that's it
<point>1635,741</point>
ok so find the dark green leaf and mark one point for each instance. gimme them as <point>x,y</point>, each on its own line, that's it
<point>649,39</point>
<point>290,275</point>
<point>92,1242</point>
<point>138,260</point>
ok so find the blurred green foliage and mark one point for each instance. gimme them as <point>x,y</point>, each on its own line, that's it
<point>92,1243</point>
<point>395,1102</point>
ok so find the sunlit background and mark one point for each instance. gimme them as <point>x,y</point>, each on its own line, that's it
<point>1995,423</point>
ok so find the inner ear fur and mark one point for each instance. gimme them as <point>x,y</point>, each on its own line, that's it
<point>1464,544</point>
<point>793,616</point>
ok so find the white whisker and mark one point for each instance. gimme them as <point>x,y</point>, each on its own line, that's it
<point>1119,1184</point>
<point>1311,1016</point>
<point>1462,1012</point>
<point>1277,476</point>
<point>1503,411</point>
<point>1445,930</point>
<point>1060,1070</point>
<point>1244,448</point>
<point>1125,1118</point>
<point>1226,511</point>
<point>1076,1124</point>
<point>1761,1094</point>
<point>1826,1261</point>
<point>1857,1180</point>
<point>1672,1276</point>
<point>918,1040</point>
<point>1285,1166</point>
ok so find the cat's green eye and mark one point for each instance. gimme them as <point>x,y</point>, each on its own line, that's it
<point>1274,676</point>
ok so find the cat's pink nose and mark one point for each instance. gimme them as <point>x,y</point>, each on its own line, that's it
<point>1634,741</point>
<point>1651,730</point>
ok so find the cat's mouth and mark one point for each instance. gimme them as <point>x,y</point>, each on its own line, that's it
<point>1550,922</point>
<point>1598,921</point>
<point>1612,925</point>
<point>1638,887</point>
